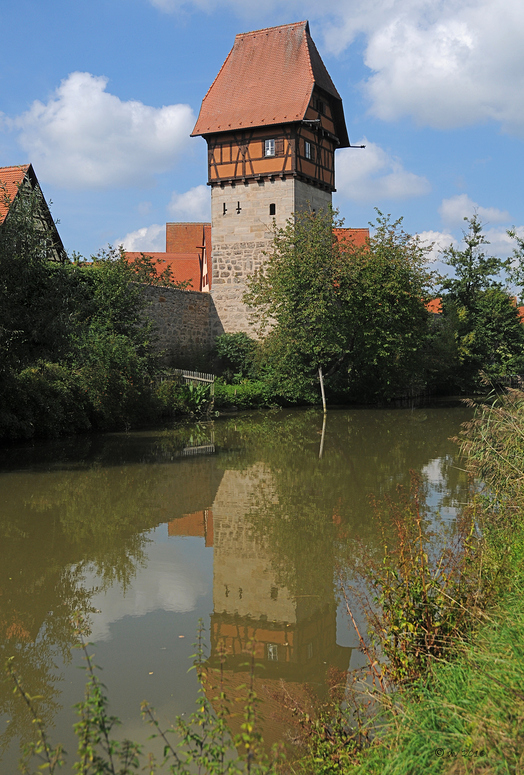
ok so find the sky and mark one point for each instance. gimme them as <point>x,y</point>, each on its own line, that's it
<point>101,98</point>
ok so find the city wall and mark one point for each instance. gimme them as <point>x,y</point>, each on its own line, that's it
<point>187,322</point>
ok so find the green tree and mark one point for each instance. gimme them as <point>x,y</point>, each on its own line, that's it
<point>357,313</point>
<point>488,335</point>
<point>474,269</point>
<point>35,294</point>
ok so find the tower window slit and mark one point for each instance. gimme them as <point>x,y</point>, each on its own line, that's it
<point>272,209</point>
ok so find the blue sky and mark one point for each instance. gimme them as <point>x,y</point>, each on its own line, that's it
<point>101,97</point>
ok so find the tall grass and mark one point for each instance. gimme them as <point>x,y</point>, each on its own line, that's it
<point>465,712</point>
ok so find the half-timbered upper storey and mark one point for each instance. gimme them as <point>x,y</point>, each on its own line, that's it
<point>273,110</point>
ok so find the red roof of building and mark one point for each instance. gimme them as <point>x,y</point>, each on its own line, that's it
<point>435,306</point>
<point>268,78</point>
<point>10,179</point>
<point>184,266</point>
<point>358,237</point>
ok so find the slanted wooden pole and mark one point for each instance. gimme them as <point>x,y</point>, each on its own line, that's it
<point>321,451</point>
<point>321,380</point>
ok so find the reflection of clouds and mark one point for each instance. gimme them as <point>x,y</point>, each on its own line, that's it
<point>432,471</point>
<point>437,480</point>
<point>170,582</point>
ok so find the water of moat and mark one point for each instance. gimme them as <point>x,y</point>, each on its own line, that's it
<point>238,522</point>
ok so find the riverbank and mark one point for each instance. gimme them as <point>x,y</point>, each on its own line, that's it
<point>464,712</point>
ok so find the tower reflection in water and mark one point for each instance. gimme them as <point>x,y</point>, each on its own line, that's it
<point>293,637</point>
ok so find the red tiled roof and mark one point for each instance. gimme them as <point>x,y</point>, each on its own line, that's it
<point>184,266</point>
<point>435,306</point>
<point>268,78</point>
<point>10,179</point>
<point>358,237</point>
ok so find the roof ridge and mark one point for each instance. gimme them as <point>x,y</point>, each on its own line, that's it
<point>21,167</point>
<point>276,27</point>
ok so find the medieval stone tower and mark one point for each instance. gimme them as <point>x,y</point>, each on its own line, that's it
<point>272,120</point>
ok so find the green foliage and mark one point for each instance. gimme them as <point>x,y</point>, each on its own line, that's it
<point>236,353</point>
<point>76,349</point>
<point>474,269</point>
<point>50,399</point>
<point>197,397</point>
<point>465,714</point>
<point>488,334</point>
<point>357,313</point>
<point>114,378</point>
<point>424,600</point>
<point>245,394</point>
<point>170,396</point>
<point>35,295</point>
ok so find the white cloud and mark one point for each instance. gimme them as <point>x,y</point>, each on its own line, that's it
<point>85,137</point>
<point>194,205</point>
<point>438,241</point>
<point>371,174</point>
<point>454,210</point>
<point>151,238</point>
<point>445,63</point>
<point>500,244</point>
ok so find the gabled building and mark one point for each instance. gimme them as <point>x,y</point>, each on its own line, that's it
<point>15,182</point>
<point>272,120</point>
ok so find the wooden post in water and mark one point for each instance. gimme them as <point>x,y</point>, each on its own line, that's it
<point>321,380</point>
<point>321,451</point>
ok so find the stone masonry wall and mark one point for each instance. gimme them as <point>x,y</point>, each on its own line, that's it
<point>242,231</point>
<point>186,321</point>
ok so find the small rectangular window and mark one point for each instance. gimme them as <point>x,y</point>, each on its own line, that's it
<point>272,652</point>
<point>272,209</point>
<point>224,208</point>
<point>308,150</point>
<point>269,148</point>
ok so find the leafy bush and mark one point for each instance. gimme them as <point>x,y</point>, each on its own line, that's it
<point>46,399</point>
<point>236,353</point>
<point>244,395</point>
<point>114,378</point>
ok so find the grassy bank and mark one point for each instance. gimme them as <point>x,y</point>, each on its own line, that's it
<point>462,709</point>
<point>466,716</point>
